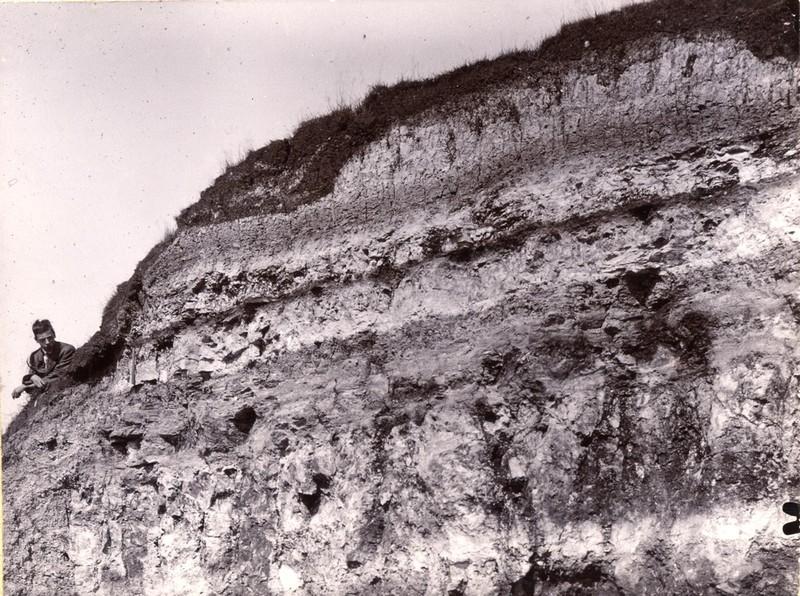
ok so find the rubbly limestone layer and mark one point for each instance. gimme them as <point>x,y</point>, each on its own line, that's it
<point>542,343</point>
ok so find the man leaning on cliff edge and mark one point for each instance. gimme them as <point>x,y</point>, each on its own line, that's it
<point>48,364</point>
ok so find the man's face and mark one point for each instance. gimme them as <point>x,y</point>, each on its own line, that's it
<point>46,339</point>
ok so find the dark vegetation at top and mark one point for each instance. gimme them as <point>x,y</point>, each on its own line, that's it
<point>321,146</point>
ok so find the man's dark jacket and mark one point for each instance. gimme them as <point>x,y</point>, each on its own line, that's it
<point>55,369</point>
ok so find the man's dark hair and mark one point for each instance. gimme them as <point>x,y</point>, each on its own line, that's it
<point>41,326</point>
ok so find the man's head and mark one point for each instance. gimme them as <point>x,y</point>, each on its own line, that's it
<point>45,335</point>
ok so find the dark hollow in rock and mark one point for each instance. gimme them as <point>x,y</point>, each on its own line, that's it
<point>122,442</point>
<point>591,579</point>
<point>405,390</point>
<point>517,485</point>
<point>165,342</point>
<point>643,212</point>
<point>219,496</point>
<point>244,419</point>
<point>641,283</point>
<point>176,439</point>
<point>459,589</point>
<point>321,480</point>
<point>485,411</point>
<point>526,585</point>
<point>50,443</point>
<point>312,501</point>
<point>688,68</point>
<point>234,355</point>
<point>660,242</point>
<point>199,286</point>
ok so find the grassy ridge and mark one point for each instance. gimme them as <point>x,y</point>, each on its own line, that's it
<point>320,147</point>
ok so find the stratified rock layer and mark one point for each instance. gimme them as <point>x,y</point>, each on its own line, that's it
<point>544,342</point>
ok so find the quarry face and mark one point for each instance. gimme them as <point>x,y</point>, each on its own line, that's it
<point>540,337</point>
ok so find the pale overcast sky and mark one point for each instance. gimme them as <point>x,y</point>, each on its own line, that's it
<point>114,116</point>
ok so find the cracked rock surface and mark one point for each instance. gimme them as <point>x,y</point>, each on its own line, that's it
<point>545,342</point>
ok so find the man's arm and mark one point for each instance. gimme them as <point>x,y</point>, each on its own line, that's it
<point>20,389</point>
<point>28,384</point>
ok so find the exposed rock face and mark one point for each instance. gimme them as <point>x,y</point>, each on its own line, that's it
<point>542,342</point>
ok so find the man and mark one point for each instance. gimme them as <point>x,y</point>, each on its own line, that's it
<point>48,364</point>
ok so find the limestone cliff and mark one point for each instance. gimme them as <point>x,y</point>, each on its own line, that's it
<point>534,333</point>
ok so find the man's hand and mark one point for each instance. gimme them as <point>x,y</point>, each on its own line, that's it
<point>18,391</point>
<point>37,380</point>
